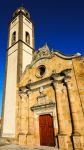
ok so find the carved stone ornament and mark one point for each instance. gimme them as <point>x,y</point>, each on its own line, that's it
<point>43,106</point>
<point>45,52</point>
<point>42,52</point>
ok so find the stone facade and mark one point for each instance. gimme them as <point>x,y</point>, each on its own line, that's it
<point>44,103</point>
<point>52,84</point>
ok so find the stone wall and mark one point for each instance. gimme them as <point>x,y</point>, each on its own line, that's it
<point>60,93</point>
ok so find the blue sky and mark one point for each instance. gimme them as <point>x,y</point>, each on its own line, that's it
<point>60,23</point>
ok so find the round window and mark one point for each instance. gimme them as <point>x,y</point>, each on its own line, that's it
<point>40,71</point>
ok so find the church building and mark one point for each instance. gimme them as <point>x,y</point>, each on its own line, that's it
<point>43,100</point>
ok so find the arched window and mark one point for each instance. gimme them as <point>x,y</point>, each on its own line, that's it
<point>13,37</point>
<point>27,38</point>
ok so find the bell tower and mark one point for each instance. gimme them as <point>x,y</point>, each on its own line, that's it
<point>19,55</point>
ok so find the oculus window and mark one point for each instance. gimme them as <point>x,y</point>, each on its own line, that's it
<point>40,71</point>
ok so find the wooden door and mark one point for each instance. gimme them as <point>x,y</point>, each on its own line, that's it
<point>46,130</point>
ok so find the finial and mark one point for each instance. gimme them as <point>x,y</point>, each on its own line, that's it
<point>78,54</point>
<point>46,46</point>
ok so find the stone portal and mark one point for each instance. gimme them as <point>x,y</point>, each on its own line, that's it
<point>46,130</point>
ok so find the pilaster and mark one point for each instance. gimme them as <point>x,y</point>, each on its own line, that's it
<point>64,119</point>
<point>20,48</point>
<point>77,113</point>
<point>77,116</point>
<point>23,119</point>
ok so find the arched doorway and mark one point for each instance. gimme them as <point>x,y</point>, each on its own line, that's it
<point>46,130</point>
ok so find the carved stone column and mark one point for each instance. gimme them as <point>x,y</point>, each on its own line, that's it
<point>64,119</point>
<point>23,109</point>
<point>77,115</point>
<point>30,133</point>
<point>30,114</point>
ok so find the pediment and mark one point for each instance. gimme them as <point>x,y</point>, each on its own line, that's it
<point>46,53</point>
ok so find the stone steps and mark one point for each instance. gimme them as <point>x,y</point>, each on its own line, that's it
<point>18,147</point>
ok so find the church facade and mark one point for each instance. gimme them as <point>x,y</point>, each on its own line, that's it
<point>43,101</point>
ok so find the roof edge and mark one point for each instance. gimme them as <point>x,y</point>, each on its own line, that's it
<point>60,54</point>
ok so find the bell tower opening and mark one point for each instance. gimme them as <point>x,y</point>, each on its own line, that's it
<point>13,37</point>
<point>27,38</point>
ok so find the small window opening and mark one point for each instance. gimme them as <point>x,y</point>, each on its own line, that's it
<point>27,38</point>
<point>13,37</point>
<point>41,70</point>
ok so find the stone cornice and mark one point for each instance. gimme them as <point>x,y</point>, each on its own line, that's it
<point>59,54</point>
<point>56,77</point>
<point>47,105</point>
<point>45,52</point>
<point>22,42</point>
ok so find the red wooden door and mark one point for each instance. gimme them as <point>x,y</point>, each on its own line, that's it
<point>46,130</point>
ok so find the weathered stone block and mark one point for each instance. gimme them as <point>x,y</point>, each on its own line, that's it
<point>65,142</point>
<point>30,140</point>
<point>78,142</point>
<point>22,139</point>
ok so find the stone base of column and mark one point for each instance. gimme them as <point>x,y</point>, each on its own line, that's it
<point>78,142</point>
<point>65,142</point>
<point>22,139</point>
<point>31,140</point>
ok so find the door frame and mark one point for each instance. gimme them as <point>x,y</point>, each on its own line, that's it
<point>52,112</point>
<point>51,127</point>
